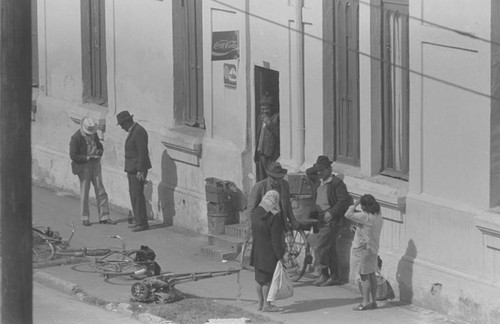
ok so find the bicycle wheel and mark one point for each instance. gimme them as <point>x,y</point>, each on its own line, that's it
<point>84,267</point>
<point>112,268</point>
<point>43,250</point>
<point>246,249</point>
<point>120,264</point>
<point>299,254</point>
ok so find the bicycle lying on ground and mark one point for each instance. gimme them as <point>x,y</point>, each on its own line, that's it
<point>108,262</point>
<point>298,250</point>
<point>137,263</point>
<point>47,244</point>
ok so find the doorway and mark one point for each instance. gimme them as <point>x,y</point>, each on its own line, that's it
<point>266,85</point>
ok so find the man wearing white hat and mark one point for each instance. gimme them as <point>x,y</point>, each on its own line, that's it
<point>85,150</point>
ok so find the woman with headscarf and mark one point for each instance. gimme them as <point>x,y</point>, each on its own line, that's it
<point>365,247</point>
<point>268,246</point>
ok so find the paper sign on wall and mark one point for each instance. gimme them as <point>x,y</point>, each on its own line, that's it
<point>230,75</point>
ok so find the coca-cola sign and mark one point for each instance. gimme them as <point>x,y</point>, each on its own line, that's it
<point>225,45</point>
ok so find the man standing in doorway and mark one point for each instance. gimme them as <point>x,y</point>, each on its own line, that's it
<point>137,164</point>
<point>268,137</point>
<point>332,201</point>
<point>85,151</point>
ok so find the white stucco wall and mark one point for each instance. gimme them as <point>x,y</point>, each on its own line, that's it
<point>143,59</point>
<point>313,81</point>
<point>450,64</point>
<point>63,79</point>
<point>449,100</point>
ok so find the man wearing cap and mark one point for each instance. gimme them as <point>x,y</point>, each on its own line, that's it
<point>85,151</point>
<point>137,164</point>
<point>274,181</point>
<point>268,137</point>
<point>332,199</point>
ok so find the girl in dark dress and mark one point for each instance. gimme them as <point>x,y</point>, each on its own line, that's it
<point>267,247</point>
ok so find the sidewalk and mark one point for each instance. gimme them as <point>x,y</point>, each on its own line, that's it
<point>179,251</point>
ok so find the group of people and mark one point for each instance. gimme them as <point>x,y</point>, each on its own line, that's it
<point>270,208</point>
<point>86,151</point>
<point>269,204</point>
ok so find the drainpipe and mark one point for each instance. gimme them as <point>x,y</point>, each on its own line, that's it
<point>298,133</point>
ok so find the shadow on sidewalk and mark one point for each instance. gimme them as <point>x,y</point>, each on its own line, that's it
<point>318,304</point>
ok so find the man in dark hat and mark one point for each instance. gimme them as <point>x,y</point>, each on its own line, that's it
<point>332,200</point>
<point>137,164</point>
<point>274,181</point>
<point>267,149</point>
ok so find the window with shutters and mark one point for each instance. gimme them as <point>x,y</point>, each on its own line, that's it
<point>395,88</point>
<point>188,65</point>
<point>94,52</point>
<point>347,81</point>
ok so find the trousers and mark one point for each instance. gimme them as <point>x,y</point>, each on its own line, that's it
<point>326,250</point>
<point>137,199</point>
<point>91,174</point>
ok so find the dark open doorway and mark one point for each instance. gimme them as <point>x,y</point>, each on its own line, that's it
<point>266,86</point>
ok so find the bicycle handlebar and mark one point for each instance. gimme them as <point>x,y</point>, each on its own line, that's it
<point>121,240</point>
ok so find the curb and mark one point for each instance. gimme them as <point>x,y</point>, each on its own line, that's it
<point>73,289</point>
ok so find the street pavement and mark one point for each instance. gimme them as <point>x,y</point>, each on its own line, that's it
<point>179,250</point>
<point>47,309</point>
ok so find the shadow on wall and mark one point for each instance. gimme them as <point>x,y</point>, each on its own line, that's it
<point>166,188</point>
<point>344,244</point>
<point>404,274</point>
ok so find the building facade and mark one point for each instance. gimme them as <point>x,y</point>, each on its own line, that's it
<point>401,94</point>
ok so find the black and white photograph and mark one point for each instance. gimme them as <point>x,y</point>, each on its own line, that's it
<point>250,161</point>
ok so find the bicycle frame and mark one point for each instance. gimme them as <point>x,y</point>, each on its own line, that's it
<point>83,252</point>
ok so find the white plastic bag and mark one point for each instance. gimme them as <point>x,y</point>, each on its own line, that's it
<point>281,286</point>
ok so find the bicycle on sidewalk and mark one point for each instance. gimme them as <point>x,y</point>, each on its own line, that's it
<point>109,262</point>
<point>297,247</point>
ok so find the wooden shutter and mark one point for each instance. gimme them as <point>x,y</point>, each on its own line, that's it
<point>347,80</point>
<point>395,101</point>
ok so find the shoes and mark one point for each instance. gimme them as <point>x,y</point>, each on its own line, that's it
<point>139,228</point>
<point>374,305</point>
<point>271,308</point>
<point>107,221</point>
<point>331,282</point>
<point>322,279</point>
<point>85,223</point>
<point>360,307</point>
<point>132,225</point>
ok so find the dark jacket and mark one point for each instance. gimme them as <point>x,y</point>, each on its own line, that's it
<point>136,150</point>
<point>338,196</point>
<point>267,246</point>
<point>271,139</point>
<point>78,151</point>
<point>263,186</point>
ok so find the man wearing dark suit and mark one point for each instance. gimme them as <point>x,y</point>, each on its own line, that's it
<point>267,149</point>
<point>137,164</point>
<point>85,151</point>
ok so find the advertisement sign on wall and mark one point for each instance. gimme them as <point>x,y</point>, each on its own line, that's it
<point>225,45</point>
<point>230,75</point>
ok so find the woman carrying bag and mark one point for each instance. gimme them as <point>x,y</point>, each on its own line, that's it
<point>268,246</point>
<point>365,248</point>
